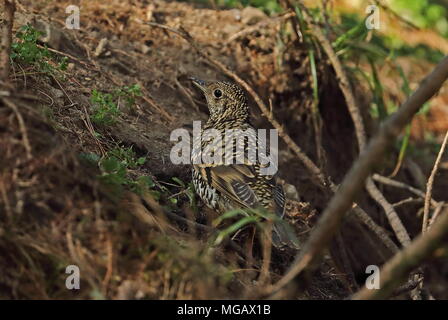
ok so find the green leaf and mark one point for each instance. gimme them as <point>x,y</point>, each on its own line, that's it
<point>178,181</point>
<point>378,92</point>
<point>355,33</point>
<point>228,215</point>
<point>141,160</point>
<point>404,144</point>
<point>110,164</point>
<point>314,76</point>
<point>233,228</point>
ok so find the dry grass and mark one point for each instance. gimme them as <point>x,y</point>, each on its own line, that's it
<point>55,212</point>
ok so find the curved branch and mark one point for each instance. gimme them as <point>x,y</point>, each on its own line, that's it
<point>431,183</point>
<point>354,181</point>
<point>397,268</point>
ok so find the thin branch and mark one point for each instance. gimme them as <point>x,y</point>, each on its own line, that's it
<point>354,180</point>
<point>185,93</point>
<point>391,214</point>
<point>415,294</point>
<point>86,64</point>
<point>402,185</point>
<point>430,184</point>
<point>22,126</point>
<point>436,213</point>
<point>5,45</point>
<point>375,228</point>
<point>397,268</point>
<point>407,201</point>
<point>360,131</point>
<point>343,81</point>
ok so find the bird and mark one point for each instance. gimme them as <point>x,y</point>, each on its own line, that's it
<point>226,184</point>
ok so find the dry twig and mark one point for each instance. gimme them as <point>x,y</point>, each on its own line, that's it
<point>430,184</point>
<point>332,216</point>
<point>5,45</point>
<point>406,201</point>
<point>397,268</point>
<point>398,184</point>
<point>22,126</point>
<point>436,213</point>
<point>360,131</point>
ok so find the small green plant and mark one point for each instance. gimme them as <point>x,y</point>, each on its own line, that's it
<point>63,63</point>
<point>115,169</point>
<point>185,190</point>
<point>128,157</point>
<point>105,110</point>
<point>113,172</point>
<point>129,93</point>
<point>106,105</point>
<point>27,50</point>
<point>424,13</point>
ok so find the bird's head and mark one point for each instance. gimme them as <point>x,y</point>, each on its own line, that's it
<point>225,100</point>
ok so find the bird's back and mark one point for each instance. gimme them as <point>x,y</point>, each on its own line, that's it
<point>236,179</point>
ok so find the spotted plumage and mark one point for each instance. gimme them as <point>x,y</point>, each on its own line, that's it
<point>232,177</point>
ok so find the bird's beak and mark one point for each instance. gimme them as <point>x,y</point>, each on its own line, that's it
<point>198,83</point>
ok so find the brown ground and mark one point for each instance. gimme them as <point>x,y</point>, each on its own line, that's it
<point>55,212</point>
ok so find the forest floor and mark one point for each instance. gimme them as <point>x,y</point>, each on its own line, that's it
<point>86,175</point>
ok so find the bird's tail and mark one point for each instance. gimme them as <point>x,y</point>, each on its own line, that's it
<point>283,236</point>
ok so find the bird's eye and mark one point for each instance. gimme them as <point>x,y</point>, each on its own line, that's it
<point>217,93</point>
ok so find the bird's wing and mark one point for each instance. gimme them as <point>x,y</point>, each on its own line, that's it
<point>232,181</point>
